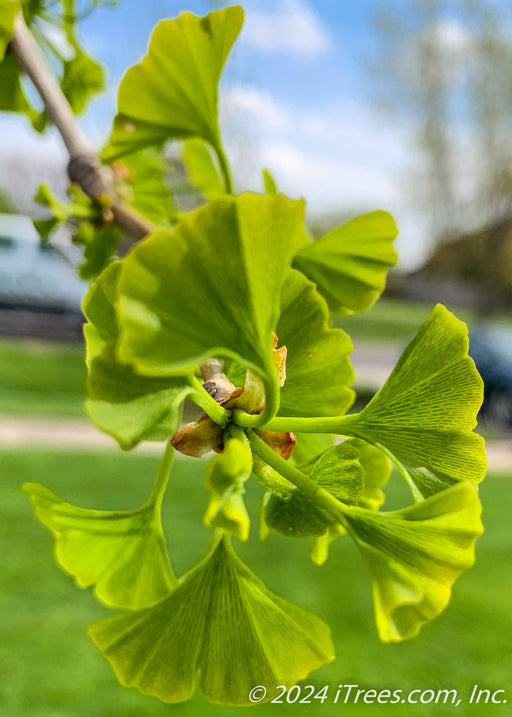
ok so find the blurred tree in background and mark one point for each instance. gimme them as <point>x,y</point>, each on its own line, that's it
<point>444,68</point>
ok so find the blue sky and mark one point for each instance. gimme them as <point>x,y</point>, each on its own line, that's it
<point>295,98</point>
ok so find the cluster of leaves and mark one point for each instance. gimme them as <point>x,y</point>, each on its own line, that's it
<point>53,25</point>
<point>230,281</point>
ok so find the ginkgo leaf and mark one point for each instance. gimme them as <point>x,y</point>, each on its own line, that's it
<point>122,403</point>
<point>376,471</point>
<point>122,554</point>
<point>423,417</point>
<point>148,190</point>
<point>12,95</point>
<point>415,555</point>
<point>131,407</point>
<point>220,629</point>
<point>99,310</point>
<point>202,169</point>
<point>319,372</point>
<point>350,263</point>
<point>228,262</point>
<point>227,473</point>
<point>172,92</point>
<point>82,78</point>
<point>269,182</point>
<point>308,448</point>
<point>8,11</point>
<point>339,471</point>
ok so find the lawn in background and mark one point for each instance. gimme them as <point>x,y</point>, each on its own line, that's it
<point>51,669</point>
<point>41,378</point>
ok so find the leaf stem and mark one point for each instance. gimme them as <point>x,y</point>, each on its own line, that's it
<point>224,166</point>
<point>341,425</point>
<point>162,478</point>
<point>317,495</point>
<point>261,420</point>
<point>209,405</point>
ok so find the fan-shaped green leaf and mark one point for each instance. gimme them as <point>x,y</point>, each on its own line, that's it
<point>122,403</point>
<point>122,554</point>
<point>8,11</point>
<point>415,555</point>
<point>202,170</point>
<point>226,476</point>
<point>269,183</point>
<point>339,471</point>
<point>221,629</point>
<point>131,407</point>
<point>318,370</point>
<point>309,447</point>
<point>148,190</point>
<point>82,78</point>
<point>423,416</point>
<point>98,307</point>
<point>377,470</point>
<point>172,92</point>
<point>350,263</point>
<point>228,262</point>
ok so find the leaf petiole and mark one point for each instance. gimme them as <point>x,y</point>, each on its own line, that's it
<point>316,494</point>
<point>162,478</point>
<point>209,405</point>
<point>329,424</point>
<point>224,166</point>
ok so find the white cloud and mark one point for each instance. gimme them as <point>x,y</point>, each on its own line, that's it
<point>342,157</point>
<point>249,103</point>
<point>293,29</point>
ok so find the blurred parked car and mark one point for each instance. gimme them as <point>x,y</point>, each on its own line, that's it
<point>40,292</point>
<point>491,348</point>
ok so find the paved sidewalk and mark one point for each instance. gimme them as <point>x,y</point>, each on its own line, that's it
<point>70,434</point>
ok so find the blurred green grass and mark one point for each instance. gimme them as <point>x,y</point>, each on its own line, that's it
<point>51,669</point>
<point>392,321</point>
<point>39,378</point>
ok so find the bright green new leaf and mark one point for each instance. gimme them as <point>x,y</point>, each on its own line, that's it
<point>269,183</point>
<point>350,263</point>
<point>225,478</point>
<point>172,92</point>
<point>148,192</point>
<point>130,407</point>
<point>122,554</point>
<point>318,369</point>
<point>122,403</point>
<point>220,629</point>
<point>339,471</point>
<point>99,244</point>
<point>309,447</point>
<point>228,262</point>
<point>415,555</point>
<point>82,78</point>
<point>377,469</point>
<point>423,417</point>
<point>99,309</point>
<point>8,12</point>
<point>12,95</point>
<point>202,169</point>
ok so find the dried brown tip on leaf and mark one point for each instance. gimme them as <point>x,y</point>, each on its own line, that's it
<point>281,443</point>
<point>280,356</point>
<point>197,438</point>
